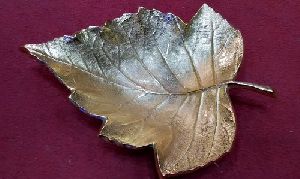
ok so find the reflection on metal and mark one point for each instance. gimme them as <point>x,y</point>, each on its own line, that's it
<point>158,80</point>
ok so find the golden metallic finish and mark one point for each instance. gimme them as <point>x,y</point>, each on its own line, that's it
<point>158,80</point>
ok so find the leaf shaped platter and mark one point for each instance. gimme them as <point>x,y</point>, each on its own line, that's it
<point>159,82</point>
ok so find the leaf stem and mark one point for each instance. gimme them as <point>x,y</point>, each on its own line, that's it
<point>251,85</point>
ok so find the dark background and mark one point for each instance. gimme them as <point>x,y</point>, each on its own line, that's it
<point>42,135</point>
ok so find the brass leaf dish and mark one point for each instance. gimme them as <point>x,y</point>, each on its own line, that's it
<point>159,82</point>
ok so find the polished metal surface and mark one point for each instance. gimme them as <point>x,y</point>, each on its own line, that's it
<point>158,80</point>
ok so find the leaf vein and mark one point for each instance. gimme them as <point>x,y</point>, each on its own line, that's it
<point>142,63</point>
<point>196,73</point>
<point>217,122</point>
<point>121,71</point>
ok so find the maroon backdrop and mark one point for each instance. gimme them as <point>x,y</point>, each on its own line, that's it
<point>42,135</point>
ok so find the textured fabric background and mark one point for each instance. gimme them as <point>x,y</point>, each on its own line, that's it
<point>42,135</point>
